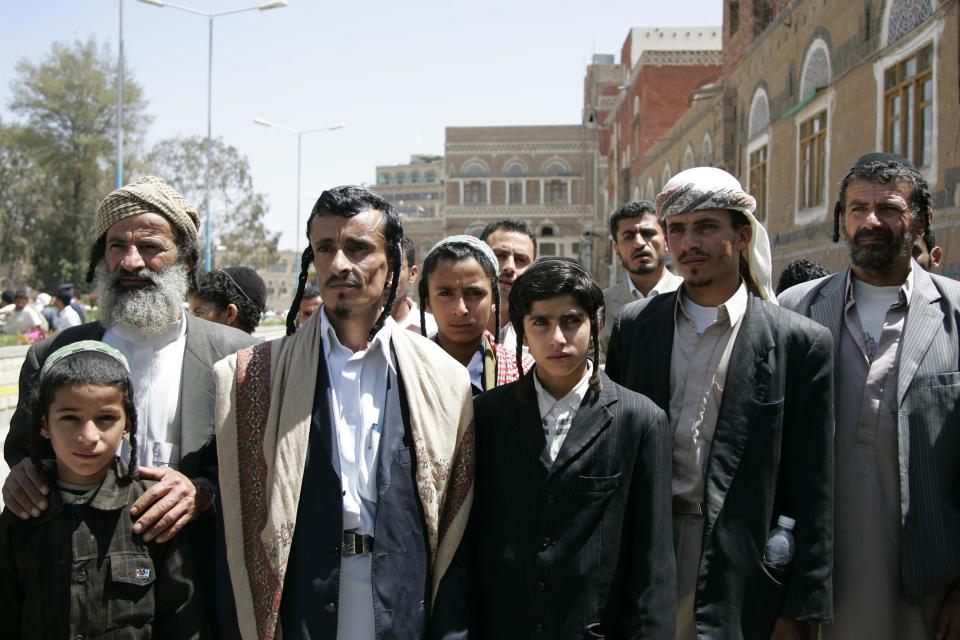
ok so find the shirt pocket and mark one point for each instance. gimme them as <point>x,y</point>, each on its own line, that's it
<point>130,597</point>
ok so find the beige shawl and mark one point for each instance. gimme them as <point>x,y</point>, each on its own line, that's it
<point>264,406</point>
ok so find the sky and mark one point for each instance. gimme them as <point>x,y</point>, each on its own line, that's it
<point>396,72</point>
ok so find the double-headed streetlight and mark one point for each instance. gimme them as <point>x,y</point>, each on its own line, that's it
<point>264,6</point>
<point>300,133</point>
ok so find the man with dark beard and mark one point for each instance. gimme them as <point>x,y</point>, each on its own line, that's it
<point>143,259</point>
<point>896,348</point>
<point>641,245</point>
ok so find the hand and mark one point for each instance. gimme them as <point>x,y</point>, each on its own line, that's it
<point>24,490</point>
<point>948,625</point>
<point>787,629</point>
<point>166,507</point>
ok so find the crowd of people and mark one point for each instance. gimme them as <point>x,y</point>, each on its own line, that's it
<point>517,453</point>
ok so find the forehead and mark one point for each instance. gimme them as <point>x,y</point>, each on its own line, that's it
<point>86,395</point>
<point>560,305</point>
<point>645,220</point>
<point>714,215</point>
<point>152,224</point>
<point>509,240</point>
<point>366,224</point>
<point>861,189</point>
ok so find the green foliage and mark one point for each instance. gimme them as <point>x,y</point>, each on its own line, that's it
<point>238,211</point>
<point>62,152</point>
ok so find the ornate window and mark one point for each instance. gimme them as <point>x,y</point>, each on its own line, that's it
<point>666,174</point>
<point>817,73</point>
<point>688,161</point>
<point>401,178</point>
<point>384,179</point>
<point>759,114</point>
<point>906,15</point>
<point>475,192</point>
<point>431,176</point>
<point>908,107</point>
<point>515,192</point>
<point>414,177</point>
<point>514,169</point>
<point>475,168</point>
<point>707,150</point>
<point>758,180</point>
<point>649,191</point>
<point>555,192</point>
<point>813,151</point>
<point>758,151</point>
<point>556,168</point>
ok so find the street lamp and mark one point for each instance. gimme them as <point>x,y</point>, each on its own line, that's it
<point>118,180</point>
<point>264,6</point>
<point>300,133</point>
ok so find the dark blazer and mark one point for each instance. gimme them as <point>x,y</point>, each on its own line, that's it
<point>206,343</point>
<point>928,416</point>
<point>772,455</point>
<point>582,549</point>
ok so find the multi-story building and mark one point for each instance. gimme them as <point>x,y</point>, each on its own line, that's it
<point>416,190</point>
<point>542,174</point>
<point>281,280</point>
<point>807,87</point>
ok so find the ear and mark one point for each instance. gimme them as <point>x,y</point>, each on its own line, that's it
<point>414,272</point>
<point>44,431</point>
<point>744,234</point>
<point>127,427</point>
<point>936,255</point>
<point>232,313</point>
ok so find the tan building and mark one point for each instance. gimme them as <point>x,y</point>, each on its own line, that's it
<point>807,87</point>
<point>281,280</point>
<point>416,190</point>
<point>541,174</point>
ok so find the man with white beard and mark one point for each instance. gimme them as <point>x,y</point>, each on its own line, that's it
<point>142,262</point>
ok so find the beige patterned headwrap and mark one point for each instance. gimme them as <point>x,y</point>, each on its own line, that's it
<point>149,194</point>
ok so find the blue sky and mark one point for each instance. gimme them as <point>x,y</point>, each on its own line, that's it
<point>396,72</point>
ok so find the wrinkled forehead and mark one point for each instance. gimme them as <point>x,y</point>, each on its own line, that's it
<point>369,225</point>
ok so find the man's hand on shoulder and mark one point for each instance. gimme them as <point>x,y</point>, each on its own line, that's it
<point>25,490</point>
<point>170,504</point>
<point>948,626</point>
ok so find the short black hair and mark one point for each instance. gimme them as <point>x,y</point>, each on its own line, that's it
<point>409,251</point>
<point>798,271</point>
<point>7,296</point>
<point>346,202</point>
<point>886,169</point>
<point>309,293</point>
<point>22,294</point>
<point>548,278</point>
<point>81,368</point>
<point>635,209</point>
<point>511,224</point>
<point>221,289</point>
<point>64,297</point>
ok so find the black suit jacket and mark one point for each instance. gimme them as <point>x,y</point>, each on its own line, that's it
<point>772,455</point>
<point>581,549</point>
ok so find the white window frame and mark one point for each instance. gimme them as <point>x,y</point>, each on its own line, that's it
<point>824,101</point>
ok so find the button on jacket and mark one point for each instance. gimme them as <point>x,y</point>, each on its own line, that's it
<point>79,571</point>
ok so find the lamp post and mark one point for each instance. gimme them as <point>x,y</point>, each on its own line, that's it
<point>264,6</point>
<point>118,181</point>
<point>300,133</point>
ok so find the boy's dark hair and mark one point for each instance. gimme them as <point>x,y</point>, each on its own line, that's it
<point>456,252</point>
<point>885,168</point>
<point>346,202</point>
<point>511,224</point>
<point>83,368</point>
<point>548,278</point>
<point>409,251</point>
<point>226,287</point>
<point>798,271</point>
<point>634,209</point>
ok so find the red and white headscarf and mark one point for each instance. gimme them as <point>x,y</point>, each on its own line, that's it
<point>703,188</point>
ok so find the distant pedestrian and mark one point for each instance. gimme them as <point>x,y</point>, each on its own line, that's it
<point>800,270</point>
<point>235,296</point>
<point>405,311</point>
<point>24,319</point>
<point>67,316</point>
<point>515,246</point>
<point>309,304</point>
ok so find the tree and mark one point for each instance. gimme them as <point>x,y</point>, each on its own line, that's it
<point>68,106</point>
<point>21,186</point>
<point>238,211</point>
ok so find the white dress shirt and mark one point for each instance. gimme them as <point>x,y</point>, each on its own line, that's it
<point>156,367</point>
<point>668,282</point>
<point>358,385</point>
<point>557,416</point>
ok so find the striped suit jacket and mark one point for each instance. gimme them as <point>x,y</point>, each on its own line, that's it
<point>928,416</point>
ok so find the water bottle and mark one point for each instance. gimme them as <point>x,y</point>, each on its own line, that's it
<point>778,553</point>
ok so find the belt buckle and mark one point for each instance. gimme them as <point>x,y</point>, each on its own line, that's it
<point>687,508</point>
<point>349,543</point>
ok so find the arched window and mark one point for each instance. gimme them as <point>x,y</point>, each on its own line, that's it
<point>688,161</point>
<point>414,177</point>
<point>401,177</point>
<point>759,114</point>
<point>650,191</point>
<point>546,232</point>
<point>431,176</point>
<point>904,16</point>
<point>636,106</point>
<point>817,73</point>
<point>666,174</point>
<point>475,168</point>
<point>514,169</point>
<point>706,150</point>
<point>556,168</point>
<point>384,179</point>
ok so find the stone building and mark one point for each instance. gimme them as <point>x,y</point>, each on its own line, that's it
<point>416,190</point>
<point>806,88</point>
<point>281,280</point>
<point>543,174</point>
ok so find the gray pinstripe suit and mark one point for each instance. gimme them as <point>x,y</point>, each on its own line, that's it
<point>927,418</point>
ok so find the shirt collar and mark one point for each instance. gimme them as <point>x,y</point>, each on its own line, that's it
<point>380,342</point>
<point>572,400</point>
<point>729,312</point>
<point>904,294</point>
<point>137,338</point>
<point>110,495</point>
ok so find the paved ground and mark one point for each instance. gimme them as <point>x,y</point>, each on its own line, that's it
<point>11,358</point>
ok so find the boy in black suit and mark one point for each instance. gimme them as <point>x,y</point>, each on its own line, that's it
<point>571,519</point>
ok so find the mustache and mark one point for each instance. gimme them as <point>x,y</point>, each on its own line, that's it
<point>882,233</point>
<point>143,273</point>
<point>350,279</point>
<point>691,253</point>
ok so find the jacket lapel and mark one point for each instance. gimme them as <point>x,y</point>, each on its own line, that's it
<point>391,429</point>
<point>924,318</point>
<point>591,419</point>
<point>745,388</point>
<point>322,414</point>
<point>655,343</point>
<point>197,391</point>
<point>529,427</point>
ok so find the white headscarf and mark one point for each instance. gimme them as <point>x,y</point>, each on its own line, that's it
<point>711,188</point>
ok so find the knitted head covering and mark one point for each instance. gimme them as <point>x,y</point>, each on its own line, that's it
<point>149,194</point>
<point>703,188</point>
<point>78,347</point>
<point>474,242</point>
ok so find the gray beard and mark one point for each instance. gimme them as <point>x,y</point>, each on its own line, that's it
<point>151,309</point>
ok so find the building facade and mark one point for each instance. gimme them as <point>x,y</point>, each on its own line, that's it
<point>807,87</point>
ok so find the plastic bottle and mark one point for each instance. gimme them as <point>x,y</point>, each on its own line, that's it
<point>778,553</point>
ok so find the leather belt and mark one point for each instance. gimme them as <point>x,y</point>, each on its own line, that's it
<point>683,507</point>
<point>355,544</point>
